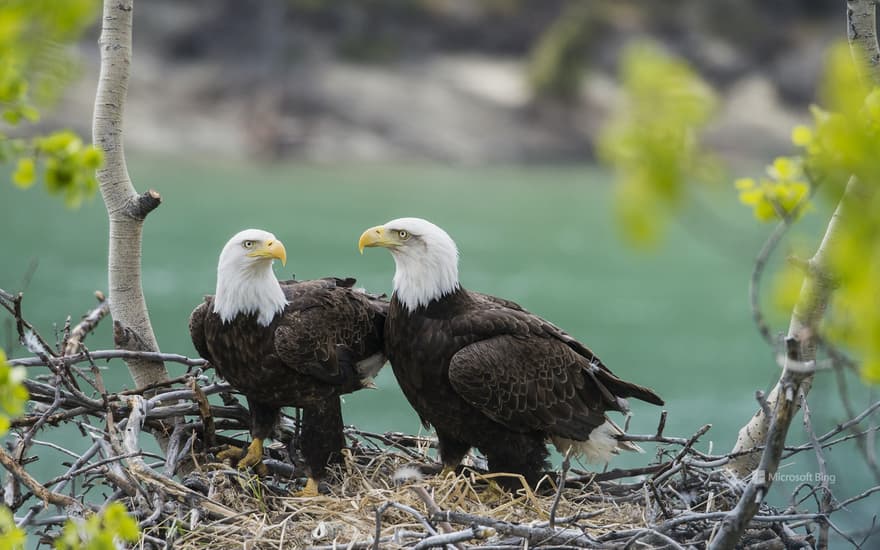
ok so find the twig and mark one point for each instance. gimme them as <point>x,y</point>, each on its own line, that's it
<point>38,489</point>
<point>534,535</point>
<point>12,304</point>
<point>863,495</point>
<point>668,542</point>
<point>205,413</point>
<point>736,521</point>
<point>452,538</point>
<point>619,473</point>
<point>431,505</point>
<point>148,476</point>
<point>62,480</point>
<point>865,449</point>
<point>755,281</point>
<point>86,325</point>
<point>365,545</point>
<point>684,450</point>
<point>44,416</point>
<point>825,503</point>
<point>112,354</point>
<point>414,513</point>
<point>661,425</point>
<point>563,472</point>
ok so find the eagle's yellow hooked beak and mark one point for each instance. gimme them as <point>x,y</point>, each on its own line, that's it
<point>374,236</point>
<point>271,249</point>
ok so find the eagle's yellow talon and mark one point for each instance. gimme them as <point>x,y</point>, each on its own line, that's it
<point>310,490</point>
<point>230,453</point>
<point>446,471</point>
<point>254,456</point>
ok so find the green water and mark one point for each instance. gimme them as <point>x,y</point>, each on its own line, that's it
<point>675,318</point>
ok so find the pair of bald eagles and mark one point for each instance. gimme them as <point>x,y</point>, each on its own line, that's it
<point>481,370</point>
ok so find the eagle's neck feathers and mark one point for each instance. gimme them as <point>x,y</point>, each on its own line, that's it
<point>426,271</point>
<point>248,289</point>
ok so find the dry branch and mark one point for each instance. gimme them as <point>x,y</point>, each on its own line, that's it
<point>47,496</point>
<point>113,354</point>
<point>73,343</point>
<point>225,508</point>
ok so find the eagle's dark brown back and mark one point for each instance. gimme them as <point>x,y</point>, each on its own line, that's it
<point>515,367</point>
<point>316,347</point>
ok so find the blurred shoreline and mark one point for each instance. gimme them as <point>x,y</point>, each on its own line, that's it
<point>434,81</point>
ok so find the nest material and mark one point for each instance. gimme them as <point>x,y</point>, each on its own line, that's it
<point>378,491</point>
<point>367,482</point>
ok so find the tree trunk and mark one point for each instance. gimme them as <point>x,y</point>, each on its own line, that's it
<point>817,287</point>
<point>803,336</point>
<point>126,209</point>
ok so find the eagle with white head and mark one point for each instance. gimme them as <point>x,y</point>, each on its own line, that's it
<point>485,372</point>
<point>288,343</point>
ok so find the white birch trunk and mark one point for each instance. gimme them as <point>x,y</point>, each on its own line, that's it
<point>803,330</point>
<point>126,209</point>
<point>817,287</point>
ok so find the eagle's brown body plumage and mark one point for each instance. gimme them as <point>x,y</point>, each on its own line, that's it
<point>486,373</point>
<point>327,341</point>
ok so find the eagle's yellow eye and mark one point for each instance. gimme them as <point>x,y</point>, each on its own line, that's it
<point>248,244</point>
<point>403,235</point>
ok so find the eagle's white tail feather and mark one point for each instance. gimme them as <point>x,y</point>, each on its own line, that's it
<point>601,446</point>
<point>406,474</point>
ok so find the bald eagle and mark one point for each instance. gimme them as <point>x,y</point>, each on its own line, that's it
<point>288,343</point>
<point>485,372</point>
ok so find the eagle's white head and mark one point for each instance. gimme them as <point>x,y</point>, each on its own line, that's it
<point>245,280</point>
<point>425,256</point>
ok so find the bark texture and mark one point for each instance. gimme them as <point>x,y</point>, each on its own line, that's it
<point>125,207</point>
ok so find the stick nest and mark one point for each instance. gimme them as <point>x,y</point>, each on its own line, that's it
<point>371,483</point>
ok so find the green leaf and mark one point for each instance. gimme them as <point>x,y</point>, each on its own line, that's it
<point>651,140</point>
<point>30,113</point>
<point>57,143</point>
<point>99,531</point>
<point>117,520</point>
<point>25,173</point>
<point>13,395</point>
<point>12,116</point>
<point>11,537</point>
<point>802,135</point>
<point>92,157</point>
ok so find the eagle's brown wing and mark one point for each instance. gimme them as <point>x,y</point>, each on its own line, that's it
<point>197,328</point>
<point>528,374</point>
<point>327,328</point>
<point>496,316</point>
<point>531,384</point>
